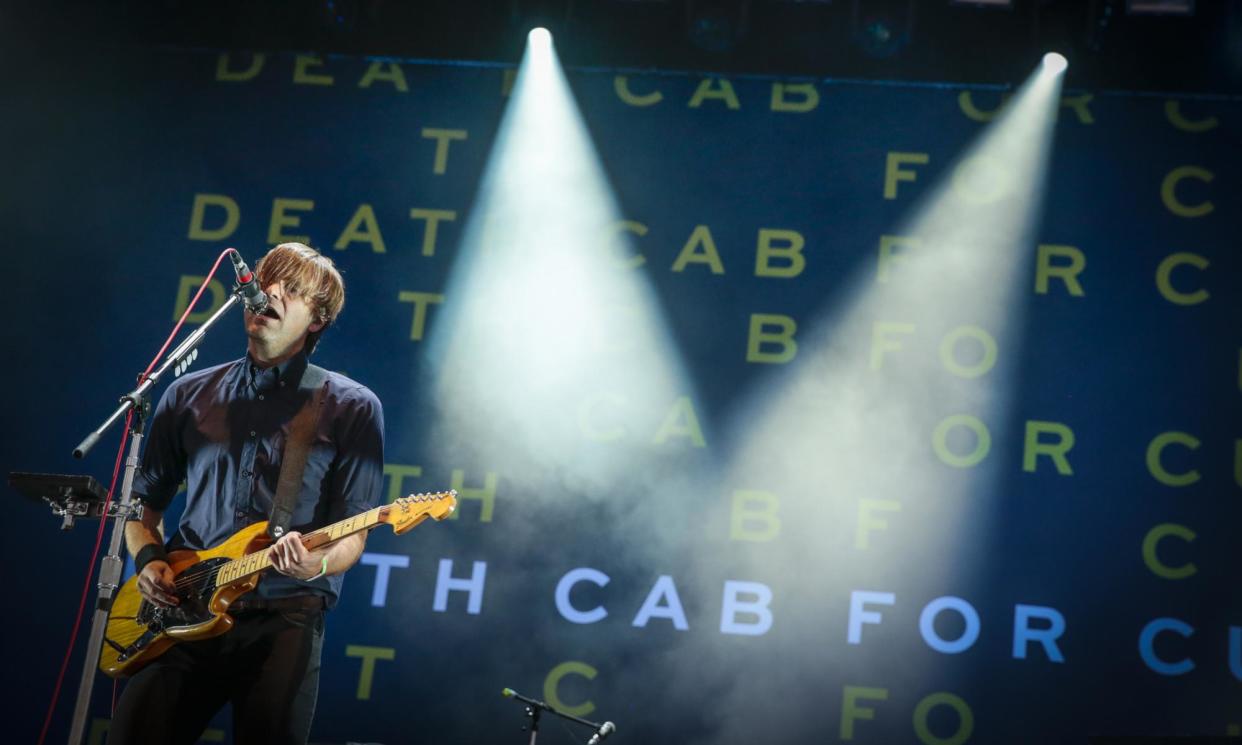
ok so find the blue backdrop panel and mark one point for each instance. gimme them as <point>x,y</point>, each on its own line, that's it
<point>1128,563</point>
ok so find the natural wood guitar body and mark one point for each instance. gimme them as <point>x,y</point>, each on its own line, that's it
<point>209,581</point>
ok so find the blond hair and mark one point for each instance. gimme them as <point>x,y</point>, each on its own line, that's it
<point>305,272</point>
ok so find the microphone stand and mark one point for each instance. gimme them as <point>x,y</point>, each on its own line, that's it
<point>112,565</point>
<point>535,708</point>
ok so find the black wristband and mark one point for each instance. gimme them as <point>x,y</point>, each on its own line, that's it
<point>147,554</point>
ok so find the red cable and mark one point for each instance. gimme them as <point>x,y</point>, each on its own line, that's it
<point>116,469</point>
<point>86,586</point>
<point>185,315</point>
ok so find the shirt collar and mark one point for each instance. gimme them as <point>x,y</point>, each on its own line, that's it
<point>286,375</point>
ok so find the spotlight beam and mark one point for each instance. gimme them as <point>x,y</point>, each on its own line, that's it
<point>551,352</point>
<point>868,439</point>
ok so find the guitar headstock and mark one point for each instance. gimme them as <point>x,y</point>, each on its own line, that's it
<point>406,512</point>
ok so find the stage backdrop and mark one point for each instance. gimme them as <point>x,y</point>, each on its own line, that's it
<point>1056,558</point>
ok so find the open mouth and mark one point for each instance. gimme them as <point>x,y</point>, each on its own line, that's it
<point>270,312</point>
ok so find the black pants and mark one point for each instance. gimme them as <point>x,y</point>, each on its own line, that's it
<point>267,666</point>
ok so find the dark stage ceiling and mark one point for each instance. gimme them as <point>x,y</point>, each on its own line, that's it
<point>1109,43</point>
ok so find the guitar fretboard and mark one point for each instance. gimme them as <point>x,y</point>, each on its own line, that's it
<point>260,560</point>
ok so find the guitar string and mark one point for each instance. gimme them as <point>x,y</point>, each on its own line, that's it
<point>194,574</point>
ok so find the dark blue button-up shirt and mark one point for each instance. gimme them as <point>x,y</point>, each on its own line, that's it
<point>223,431</point>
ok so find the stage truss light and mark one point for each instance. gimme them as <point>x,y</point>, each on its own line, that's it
<point>879,33</point>
<point>1055,63</point>
<point>716,25</point>
<point>999,4</point>
<point>539,38</point>
<point>1160,7</point>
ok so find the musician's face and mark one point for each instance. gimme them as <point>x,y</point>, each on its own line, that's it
<point>281,330</point>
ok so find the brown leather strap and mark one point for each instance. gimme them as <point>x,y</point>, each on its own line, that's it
<point>302,430</point>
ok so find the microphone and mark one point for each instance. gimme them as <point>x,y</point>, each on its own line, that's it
<point>606,729</point>
<point>510,693</point>
<point>251,294</point>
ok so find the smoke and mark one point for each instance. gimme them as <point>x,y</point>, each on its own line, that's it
<point>863,464</point>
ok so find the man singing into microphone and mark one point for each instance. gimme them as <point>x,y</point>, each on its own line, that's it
<point>226,432</point>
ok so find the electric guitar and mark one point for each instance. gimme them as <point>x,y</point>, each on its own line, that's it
<point>139,631</point>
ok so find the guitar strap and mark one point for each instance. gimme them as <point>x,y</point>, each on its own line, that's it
<point>302,431</point>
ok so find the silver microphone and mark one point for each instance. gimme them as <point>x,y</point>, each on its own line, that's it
<point>605,729</point>
<point>253,296</point>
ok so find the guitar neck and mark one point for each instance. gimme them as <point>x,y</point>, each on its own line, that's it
<point>260,560</point>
